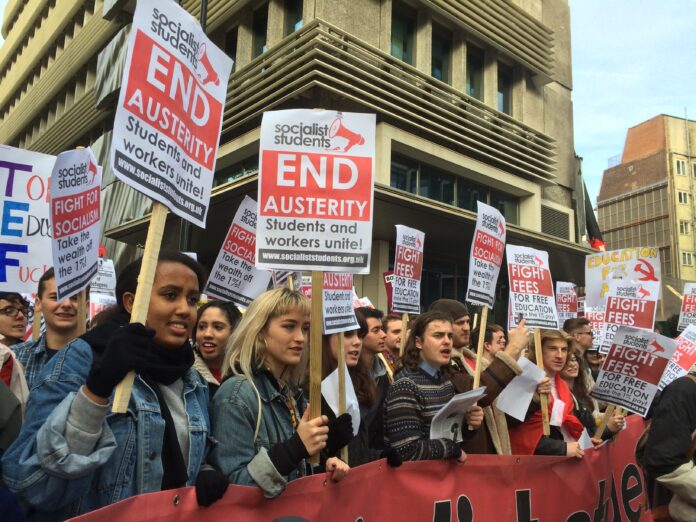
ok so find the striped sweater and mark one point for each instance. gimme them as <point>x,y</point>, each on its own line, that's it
<point>411,403</point>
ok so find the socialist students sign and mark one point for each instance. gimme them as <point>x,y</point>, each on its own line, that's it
<point>531,289</point>
<point>169,113</point>
<point>315,191</point>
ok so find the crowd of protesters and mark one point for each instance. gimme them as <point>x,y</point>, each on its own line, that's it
<point>221,397</point>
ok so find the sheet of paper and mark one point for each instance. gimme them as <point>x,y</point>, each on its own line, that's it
<point>329,390</point>
<point>447,423</point>
<point>515,398</point>
<point>557,413</point>
<point>585,441</point>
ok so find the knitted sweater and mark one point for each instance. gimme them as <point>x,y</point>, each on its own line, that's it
<point>411,403</point>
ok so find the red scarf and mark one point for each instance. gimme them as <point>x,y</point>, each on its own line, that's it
<point>525,437</point>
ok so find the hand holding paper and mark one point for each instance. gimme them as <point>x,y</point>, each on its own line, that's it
<point>515,398</point>
<point>447,423</point>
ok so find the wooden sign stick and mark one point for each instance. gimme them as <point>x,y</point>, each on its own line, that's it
<point>141,303</point>
<point>404,331</point>
<point>605,419</point>
<point>315,333</point>
<point>81,312</point>
<point>342,386</point>
<point>479,347</point>
<point>291,283</point>
<point>36,325</point>
<point>543,398</point>
<point>473,326</point>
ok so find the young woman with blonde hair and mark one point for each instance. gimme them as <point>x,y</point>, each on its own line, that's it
<point>264,438</point>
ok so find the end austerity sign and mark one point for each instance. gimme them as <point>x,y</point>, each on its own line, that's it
<point>316,173</point>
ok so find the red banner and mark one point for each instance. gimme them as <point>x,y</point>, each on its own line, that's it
<point>605,485</point>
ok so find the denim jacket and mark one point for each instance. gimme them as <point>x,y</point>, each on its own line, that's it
<point>234,413</point>
<point>58,484</point>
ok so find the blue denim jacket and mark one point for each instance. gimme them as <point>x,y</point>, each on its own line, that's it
<point>58,484</point>
<point>234,413</point>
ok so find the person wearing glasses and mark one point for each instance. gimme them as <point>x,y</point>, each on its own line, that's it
<point>61,328</point>
<point>14,312</point>
<point>594,360</point>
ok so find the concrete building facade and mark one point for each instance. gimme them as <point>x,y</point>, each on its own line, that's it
<point>648,198</point>
<point>473,102</point>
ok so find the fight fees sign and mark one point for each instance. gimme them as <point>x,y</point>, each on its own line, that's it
<point>633,368</point>
<point>684,357</point>
<point>687,314</point>
<point>75,220</point>
<point>629,304</point>
<point>632,264</point>
<point>234,276</point>
<point>316,171</point>
<point>605,485</point>
<point>25,226</point>
<point>531,288</point>
<point>408,268</point>
<point>566,302</point>
<point>487,249</point>
<point>169,112</point>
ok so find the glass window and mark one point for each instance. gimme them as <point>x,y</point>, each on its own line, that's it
<point>293,16</point>
<point>507,205</point>
<point>436,184</point>
<point>684,227</point>
<point>259,28</point>
<point>404,173</point>
<point>231,45</point>
<point>403,32</point>
<point>693,170</point>
<point>247,166</point>
<point>474,72</point>
<point>687,258</point>
<point>468,193</point>
<point>683,197</point>
<point>504,89</point>
<point>681,168</point>
<point>441,53</point>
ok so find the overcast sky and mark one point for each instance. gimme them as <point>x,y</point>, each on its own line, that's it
<point>632,60</point>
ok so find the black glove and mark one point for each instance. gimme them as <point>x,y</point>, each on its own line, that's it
<point>210,486</point>
<point>340,433</point>
<point>128,349</point>
<point>392,456</point>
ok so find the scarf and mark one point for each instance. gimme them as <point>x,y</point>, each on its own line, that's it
<point>165,366</point>
<point>525,437</point>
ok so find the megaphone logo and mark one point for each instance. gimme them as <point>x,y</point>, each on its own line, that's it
<point>92,169</point>
<point>337,129</point>
<point>210,74</point>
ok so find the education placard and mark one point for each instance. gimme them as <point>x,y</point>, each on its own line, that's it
<point>316,172</point>
<point>684,357</point>
<point>169,113</point>
<point>75,220</point>
<point>687,314</point>
<point>566,302</point>
<point>234,276</point>
<point>633,368</point>
<point>487,249</point>
<point>408,268</point>
<point>25,226</point>
<point>531,288</point>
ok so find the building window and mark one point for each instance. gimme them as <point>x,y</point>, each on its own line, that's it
<point>504,89</point>
<point>687,258</point>
<point>474,72</point>
<point>237,170</point>
<point>403,32</point>
<point>683,197</point>
<point>681,168</point>
<point>441,53</point>
<point>259,29</point>
<point>231,45</point>
<point>693,170</point>
<point>684,227</point>
<point>293,16</point>
<point>425,180</point>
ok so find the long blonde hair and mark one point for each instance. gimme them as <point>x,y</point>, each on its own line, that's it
<point>246,350</point>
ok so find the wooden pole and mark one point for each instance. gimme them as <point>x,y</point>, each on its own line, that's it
<point>404,331</point>
<point>543,398</point>
<point>605,420</point>
<point>315,333</point>
<point>473,326</point>
<point>81,312</point>
<point>291,283</point>
<point>36,325</point>
<point>479,347</point>
<point>342,386</point>
<point>141,303</point>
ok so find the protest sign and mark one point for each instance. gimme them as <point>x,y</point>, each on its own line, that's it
<point>102,289</point>
<point>316,171</point>
<point>684,357</point>
<point>169,112</point>
<point>449,420</point>
<point>606,484</point>
<point>25,232</point>
<point>337,300</point>
<point>408,266</point>
<point>486,258</point>
<point>234,276</point>
<point>632,264</point>
<point>388,288</point>
<point>286,278</point>
<point>75,188</point>
<point>633,368</point>
<point>566,302</point>
<point>629,304</point>
<point>687,314</point>
<point>531,289</point>
<point>596,318</point>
